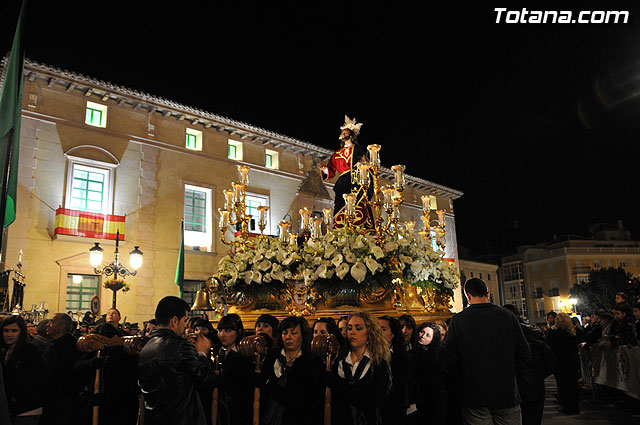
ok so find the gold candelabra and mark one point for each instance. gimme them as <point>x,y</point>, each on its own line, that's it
<point>235,214</point>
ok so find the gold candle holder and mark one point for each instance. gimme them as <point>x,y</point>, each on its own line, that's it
<point>316,228</point>
<point>363,173</point>
<point>228,199</point>
<point>425,222</point>
<point>426,204</point>
<point>238,191</point>
<point>284,229</point>
<point>293,239</point>
<point>350,204</point>
<point>410,225</point>
<point>327,214</point>
<point>425,235</point>
<point>387,192</point>
<point>374,155</point>
<point>440,214</point>
<point>263,222</point>
<point>305,214</point>
<point>224,218</point>
<point>398,171</point>
<point>243,172</point>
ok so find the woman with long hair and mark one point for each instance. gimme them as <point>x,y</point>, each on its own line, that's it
<point>431,389</point>
<point>235,383</point>
<point>564,344</point>
<point>394,410</point>
<point>361,376</point>
<point>290,383</point>
<point>22,367</point>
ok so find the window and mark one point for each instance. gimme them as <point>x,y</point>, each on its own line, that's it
<point>195,210</point>
<point>480,275</point>
<point>235,150</point>
<point>489,277</point>
<point>433,202</point>
<point>194,139</point>
<point>471,274</point>
<point>198,216</point>
<point>80,291</point>
<point>596,264</point>
<point>89,187</point>
<point>623,263</point>
<point>253,202</point>
<point>96,115</point>
<point>271,159</point>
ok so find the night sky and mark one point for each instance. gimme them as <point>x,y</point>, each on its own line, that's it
<point>537,124</point>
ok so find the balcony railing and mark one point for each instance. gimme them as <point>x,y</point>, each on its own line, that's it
<point>538,293</point>
<point>554,292</point>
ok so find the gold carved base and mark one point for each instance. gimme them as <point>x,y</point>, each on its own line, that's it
<point>300,300</point>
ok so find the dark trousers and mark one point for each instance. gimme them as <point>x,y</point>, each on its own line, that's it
<point>532,412</point>
<point>568,392</point>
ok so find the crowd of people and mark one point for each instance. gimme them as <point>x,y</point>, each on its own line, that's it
<point>484,364</point>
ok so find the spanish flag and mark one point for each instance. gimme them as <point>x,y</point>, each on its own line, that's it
<point>87,224</point>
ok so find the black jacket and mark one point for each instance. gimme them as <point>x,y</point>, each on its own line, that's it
<point>485,349</point>
<point>298,391</point>
<point>361,398</point>
<point>62,386</point>
<point>543,363</point>
<point>236,383</point>
<point>394,409</point>
<point>24,368</point>
<point>170,370</point>
<point>592,334</point>
<point>565,348</point>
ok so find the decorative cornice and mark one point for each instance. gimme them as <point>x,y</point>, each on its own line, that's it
<point>71,81</point>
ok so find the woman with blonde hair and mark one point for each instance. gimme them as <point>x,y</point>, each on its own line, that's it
<point>361,376</point>
<point>564,344</point>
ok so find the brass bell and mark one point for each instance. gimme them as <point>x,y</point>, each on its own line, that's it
<point>203,300</point>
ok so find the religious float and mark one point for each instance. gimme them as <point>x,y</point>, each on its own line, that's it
<point>359,256</point>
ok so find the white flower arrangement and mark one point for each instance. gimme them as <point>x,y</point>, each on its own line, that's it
<point>343,258</point>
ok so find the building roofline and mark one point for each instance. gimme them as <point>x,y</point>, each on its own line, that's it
<point>151,104</point>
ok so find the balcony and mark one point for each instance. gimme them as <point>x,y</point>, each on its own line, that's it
<point>581,270</point>
<point>554,292</point>
<point>538,293</point>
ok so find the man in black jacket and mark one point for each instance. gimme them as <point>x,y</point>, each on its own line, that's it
<point>485,351</point>
<point>171,368</point>
<point>60,398</point>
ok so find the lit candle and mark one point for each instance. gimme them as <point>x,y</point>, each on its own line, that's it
<point>396,213</point>
<point>440,217</point>
<point>350,204</point>
<point>243,172</point>
<point>387,191</point>
<point>284,229</point>
<point>316,229</point>
<point>425,235</point>
<point>293,238</point>
<point>263,209</point>
<point>374,156</point>
<point>363,173</point>
<point>238,190</point>
<point>224,217</point>
<point>398,170</point>
<point>327,213</point>
<point>305,213</point>
<point>410,224</point>
<point>426,203</point>
<point>228,199</point>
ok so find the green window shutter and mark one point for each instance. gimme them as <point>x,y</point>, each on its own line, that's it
<point>195,211</point>
<point>191,141</point>
<point>233,151</point>
<point>87,191</point>
<point>269,160</point>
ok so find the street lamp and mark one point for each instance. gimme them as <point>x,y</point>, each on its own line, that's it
<point>573,302</point>
<point>115,268</point>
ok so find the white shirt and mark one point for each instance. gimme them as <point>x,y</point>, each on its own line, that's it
<point>277,366</point>
<point>354,366</point>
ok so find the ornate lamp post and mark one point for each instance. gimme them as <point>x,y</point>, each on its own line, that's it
<point>115,268</point>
